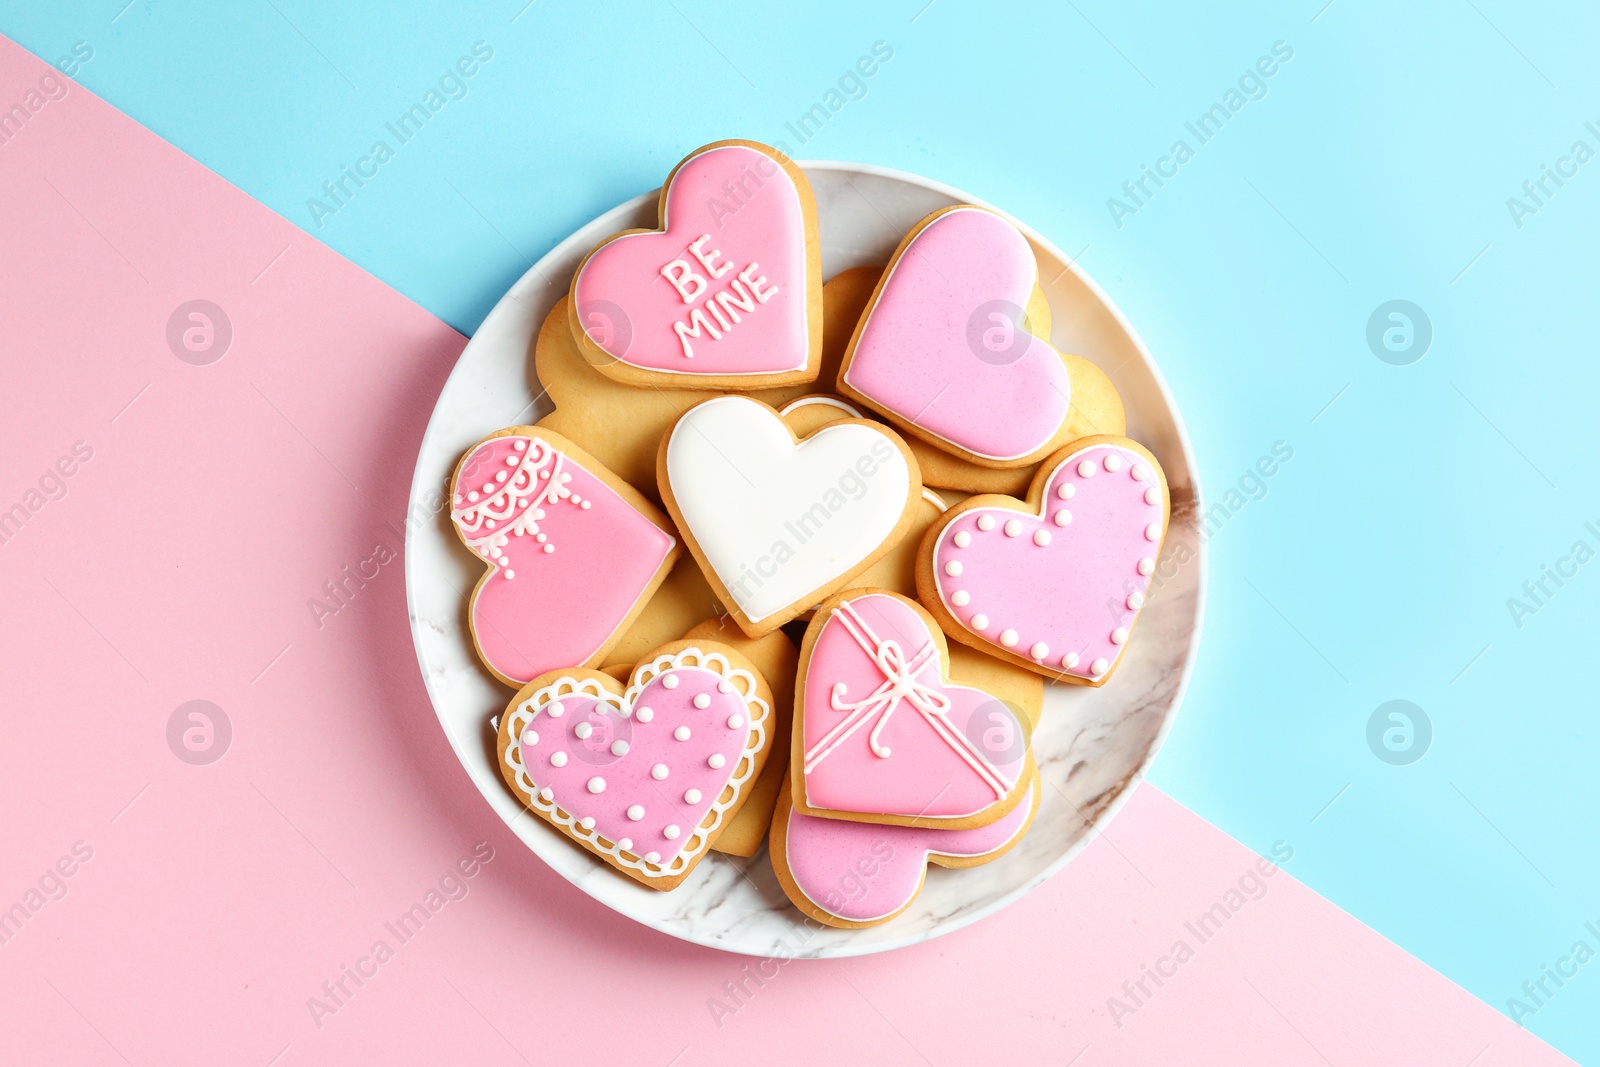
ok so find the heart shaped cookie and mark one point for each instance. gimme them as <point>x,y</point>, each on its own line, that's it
<point>646,777</point>
<point>944,350</point>
<point>882,734</point>
<point>1056,583</point>
<point>573,551</point>
<point>853,874</point>
<point>779,523</point>
<point>726,294</point>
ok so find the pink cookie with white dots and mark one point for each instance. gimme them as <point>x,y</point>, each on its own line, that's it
<point>574,552</point>
<point>648,776</point>
<point>1054,583</point>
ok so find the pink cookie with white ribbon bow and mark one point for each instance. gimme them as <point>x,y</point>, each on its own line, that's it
<point>854,874</point>
<point>645,777</point>
<point>1054,583</point>
<point>882,735</point>
<point>944,350</point>
<point>574,552</point>
<point>727,293</point>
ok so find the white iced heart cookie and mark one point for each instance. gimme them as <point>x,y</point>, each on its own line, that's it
<point>779,523</point>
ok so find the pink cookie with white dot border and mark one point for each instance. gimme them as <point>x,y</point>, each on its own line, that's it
<point>648,776</point>
<point>1054,583</point>
<point>573,551</point>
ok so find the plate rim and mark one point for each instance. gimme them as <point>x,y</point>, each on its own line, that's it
<point>535,275</point>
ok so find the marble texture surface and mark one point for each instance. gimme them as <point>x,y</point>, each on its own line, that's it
<point>1092,745</point>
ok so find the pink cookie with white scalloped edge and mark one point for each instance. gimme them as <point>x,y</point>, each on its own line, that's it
<point>726,293</point>
<point>852,874</point>
<point>882,735</point>
<point>574,552</point>
<point>943,349</point>
<point>1057,582</point>
<point>648,776</point>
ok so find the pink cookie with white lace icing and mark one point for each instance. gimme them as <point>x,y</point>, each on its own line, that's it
<point>646,777</point>
<point>573,552</point>
<point>727,293</point>
<point>1054,584</point>
<point>854,874</point>
<point>943,350</point>
<point>883,736</point>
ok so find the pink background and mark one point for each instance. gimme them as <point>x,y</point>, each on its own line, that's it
<point>219,898</point>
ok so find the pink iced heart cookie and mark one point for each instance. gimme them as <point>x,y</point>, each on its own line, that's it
<point>1054,584</point>
<point>573,552</point>
<point>727,293</point>
<point>943,350</point>
<point>854,874</point>
<point>646,777</point>
<point>883,736</point>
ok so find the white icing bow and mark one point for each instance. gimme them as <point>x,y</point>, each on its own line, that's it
<point>900,683</point>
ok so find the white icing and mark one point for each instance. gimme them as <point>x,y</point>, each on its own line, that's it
<point>985,522</point>
<point>953,568</point>
<point>1113,462</point>
<point>558,759</point>
<point>583,730</point>
<point>961,598</point>
<point>824,401</point>
<point>1099,667</point>
<point>980,622</point>
<point>1008,637</point>
<point>644,714</point>
<point>735,722</point>
<point>1013,527</point>
<point>619,748</point>
<point>716,761</point>
<point>659,771</point>
<point>1119,635</point>
<point>1041,537</point>
<point>635,812</point>
<point>1070,660</point>
<point>691,796</point>
<point>670,682</point>
<point>770,516</point>
<point>671,832</point>
<point>1065,490</point>
<point>597,784</point>
<point>963,539</point>
<point>1152,495</point>
<point>702,701</point>
<point>1086,468</point>
<point>1063,517</point>
<point>1039,651</point>
<point>1135,601</point>
<point>1147,565</point>
<point>681,733</point>
<point>529,737</point>
<point>1152,532</point>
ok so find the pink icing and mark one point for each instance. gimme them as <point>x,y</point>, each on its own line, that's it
<point>864,872</point>
<point>626,781</point>
<point>940,347</point>
<point>747,283</point>
<point>883,734</point>
<point>568,557</point>
<point>1077,593</point>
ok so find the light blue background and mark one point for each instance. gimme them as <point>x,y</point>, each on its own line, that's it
<point>1377,167</point>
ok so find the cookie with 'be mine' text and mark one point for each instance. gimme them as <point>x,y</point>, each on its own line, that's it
<point>726,293</point>
<point>645,776</point>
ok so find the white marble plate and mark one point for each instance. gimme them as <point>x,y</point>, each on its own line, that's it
<point>1093,744</point>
